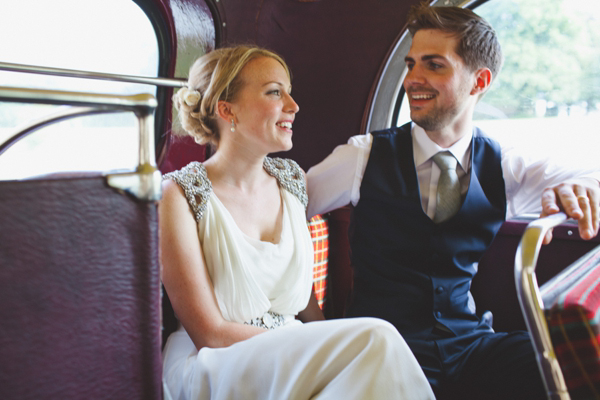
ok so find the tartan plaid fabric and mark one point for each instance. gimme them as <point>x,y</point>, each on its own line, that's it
<point>572,306</point>
<point>319,233</point>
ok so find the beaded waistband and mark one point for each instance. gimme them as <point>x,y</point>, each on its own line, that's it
<point>269,320</point>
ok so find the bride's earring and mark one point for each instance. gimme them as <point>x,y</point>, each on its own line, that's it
<point>232,126</point>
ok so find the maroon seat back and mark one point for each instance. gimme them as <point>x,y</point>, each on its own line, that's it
<point>80,292</point>
<point>494,285</point>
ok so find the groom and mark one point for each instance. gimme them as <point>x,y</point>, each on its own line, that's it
<point>429,198</point>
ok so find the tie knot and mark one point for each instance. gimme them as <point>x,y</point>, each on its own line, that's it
<point>445,160</point>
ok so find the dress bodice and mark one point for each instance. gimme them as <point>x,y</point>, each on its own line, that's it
<point>251,277</point>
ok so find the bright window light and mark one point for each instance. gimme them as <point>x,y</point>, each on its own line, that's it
<point>108,36</point>
<point>547,97</point>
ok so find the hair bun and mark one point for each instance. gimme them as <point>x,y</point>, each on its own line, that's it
<point>191,97</point>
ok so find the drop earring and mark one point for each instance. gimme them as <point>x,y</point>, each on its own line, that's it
<point>232,126</point>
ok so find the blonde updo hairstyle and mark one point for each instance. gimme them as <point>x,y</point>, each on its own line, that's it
<point>214,77</point>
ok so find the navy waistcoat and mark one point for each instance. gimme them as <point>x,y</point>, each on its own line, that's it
<point>407,269</point>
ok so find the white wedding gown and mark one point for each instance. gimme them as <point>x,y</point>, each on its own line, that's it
<point>362,358</point>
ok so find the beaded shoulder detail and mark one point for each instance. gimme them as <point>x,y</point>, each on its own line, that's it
<point>197,188</point>
<point>289,175</point>
<point>195,184</point>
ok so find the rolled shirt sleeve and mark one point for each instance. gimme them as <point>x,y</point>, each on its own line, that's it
<point>335,181</point>
<point>526,178</point>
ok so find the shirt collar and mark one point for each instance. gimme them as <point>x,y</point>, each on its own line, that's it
<point>424,148</point>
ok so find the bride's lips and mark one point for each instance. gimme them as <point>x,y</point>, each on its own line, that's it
<point>286,125</point>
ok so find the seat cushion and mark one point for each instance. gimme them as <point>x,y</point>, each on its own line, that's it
<point>319,233</point>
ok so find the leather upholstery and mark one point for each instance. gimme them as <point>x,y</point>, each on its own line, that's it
<point>80,292</point>
<point>494,285</point>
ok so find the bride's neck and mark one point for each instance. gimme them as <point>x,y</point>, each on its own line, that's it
<point>241,170</point>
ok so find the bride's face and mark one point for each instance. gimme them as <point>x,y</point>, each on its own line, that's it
<point>264,109</point>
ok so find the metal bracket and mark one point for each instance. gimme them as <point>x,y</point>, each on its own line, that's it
<point>145,182</point>
<point>532,305</point>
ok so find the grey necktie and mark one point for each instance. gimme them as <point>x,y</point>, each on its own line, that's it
<point>448,189</point>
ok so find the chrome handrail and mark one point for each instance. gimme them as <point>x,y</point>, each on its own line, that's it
<point>144,183</point>
<point>135,103</point>
<point>532,305</point>
<point>72,73</point>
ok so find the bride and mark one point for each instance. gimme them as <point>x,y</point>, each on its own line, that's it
<point>237,257</point>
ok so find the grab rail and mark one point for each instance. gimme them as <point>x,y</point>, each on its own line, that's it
<point>532,305</point>
<point>145,182</point>
<point>72,73</point>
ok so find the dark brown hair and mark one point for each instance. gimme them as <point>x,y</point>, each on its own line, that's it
<point>478,44</point>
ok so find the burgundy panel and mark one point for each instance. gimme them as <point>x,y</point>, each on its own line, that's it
<point>181,150</point>
<point>79,292</point>
<point>335,49</point>
<point>339,273</point>
<point>183,28</point>
<point>494,285</point>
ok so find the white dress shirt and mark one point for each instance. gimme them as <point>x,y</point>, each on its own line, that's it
<point>335,182</point>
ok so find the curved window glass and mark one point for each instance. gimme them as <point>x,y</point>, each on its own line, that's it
<point>547,96</point>
<point>546,100</point>
<point>109,36</point>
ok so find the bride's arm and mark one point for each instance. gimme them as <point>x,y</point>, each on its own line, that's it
<point>312,312</point>
<point>186,277</point>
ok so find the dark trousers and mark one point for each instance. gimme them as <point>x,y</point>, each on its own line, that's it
<point>480,366</point>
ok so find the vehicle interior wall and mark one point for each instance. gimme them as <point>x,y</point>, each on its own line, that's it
<point>186,30</point>
<point>335,50</point>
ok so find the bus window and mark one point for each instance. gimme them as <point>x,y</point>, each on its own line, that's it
<point>111,36</point>
<point>546,100</point>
